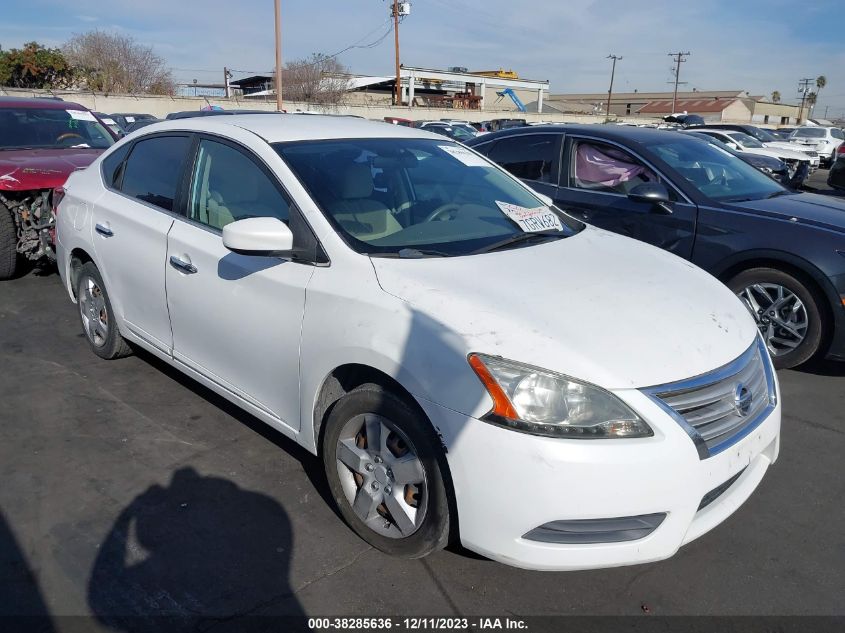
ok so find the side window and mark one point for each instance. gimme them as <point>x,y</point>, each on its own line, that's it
<point>227,186</point>
<point>600,167</point>
<point>528,156</point>
<point>153,169</point>
<point>838,134</point>
<point>112,167</point>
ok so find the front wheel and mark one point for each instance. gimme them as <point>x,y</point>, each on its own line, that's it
<point>8,244</point>
<point>382,462</point>
<point>787,313</point>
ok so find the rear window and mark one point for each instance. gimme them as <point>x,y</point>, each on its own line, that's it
<point>40,128</point>
<point>810,132</point>
<point>153,170</point>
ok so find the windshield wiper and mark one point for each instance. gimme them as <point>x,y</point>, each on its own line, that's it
<point>779,193</point>
<point>411,253</point>
<point>519,238</point>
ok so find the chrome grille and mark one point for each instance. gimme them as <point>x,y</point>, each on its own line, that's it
<point>719,408</point>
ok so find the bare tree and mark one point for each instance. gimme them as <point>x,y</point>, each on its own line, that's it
<point>110,62</point>
<point>319,80</point>
<point>776,96</point>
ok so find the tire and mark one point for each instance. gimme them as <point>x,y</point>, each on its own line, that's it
<point>389,526</point>
<point>797,343</point>
<point>97,316</point>
<point>8,244</point>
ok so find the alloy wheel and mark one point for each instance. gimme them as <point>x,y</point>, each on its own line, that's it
<point>382,476</point>
<point>780,314</point>
<point>92,308</point>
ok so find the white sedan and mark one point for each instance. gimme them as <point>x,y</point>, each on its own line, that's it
<point>469,362</point>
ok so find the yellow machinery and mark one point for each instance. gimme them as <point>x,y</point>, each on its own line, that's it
<point>501,73</point>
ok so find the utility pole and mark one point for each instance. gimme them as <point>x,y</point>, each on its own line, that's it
<point>612,73</point>
<point>226,75</point>
<point>398,96</point>
<point>825,111</point>
<point>803,88</point>
<point>278,55</point>
<point>679,59</point>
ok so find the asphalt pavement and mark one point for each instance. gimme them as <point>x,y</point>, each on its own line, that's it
<point>128,489</point>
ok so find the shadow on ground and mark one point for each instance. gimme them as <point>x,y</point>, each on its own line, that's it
<point>198,553</point>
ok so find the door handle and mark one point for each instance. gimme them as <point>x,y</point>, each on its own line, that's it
<point>182,265</point>
<point>103,230</point>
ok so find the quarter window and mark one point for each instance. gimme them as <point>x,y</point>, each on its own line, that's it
<point>527,156</point>
<point>153,169</point>
<point>227,186</point>
<point>113,166</point>
<point>600,167</point>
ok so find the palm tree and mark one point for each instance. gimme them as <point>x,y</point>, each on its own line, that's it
<point>776,97</point>
<point>821,82</point>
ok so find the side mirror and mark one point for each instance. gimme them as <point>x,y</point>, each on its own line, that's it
<point>653,193</point>
<point>258,236</point>
<point>546,200</point>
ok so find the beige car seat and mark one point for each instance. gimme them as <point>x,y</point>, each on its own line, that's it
<point>354,208</point>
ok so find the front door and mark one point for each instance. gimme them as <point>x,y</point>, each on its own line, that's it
<point>595,181</point>
<point>236,318</point>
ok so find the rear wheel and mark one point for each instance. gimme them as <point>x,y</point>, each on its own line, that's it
<point>382,462</point>
<point>788,314</point>
<point>8,244</point>
<point>97,316</point>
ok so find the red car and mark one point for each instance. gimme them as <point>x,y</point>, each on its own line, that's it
<point>41,142</point>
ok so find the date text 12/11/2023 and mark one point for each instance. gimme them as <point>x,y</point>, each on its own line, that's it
<point>418,624</point>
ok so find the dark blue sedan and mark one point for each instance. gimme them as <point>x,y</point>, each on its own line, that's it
<point>781,251</point>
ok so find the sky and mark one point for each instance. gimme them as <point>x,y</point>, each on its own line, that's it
<point>754,45</point>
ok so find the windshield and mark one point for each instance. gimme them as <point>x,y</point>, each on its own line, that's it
<point>51,128</point>
<point>386,196</point>
<point>745,140</point>
<point>761,135</point>
<point>809,132</point>
<point>714,173</point>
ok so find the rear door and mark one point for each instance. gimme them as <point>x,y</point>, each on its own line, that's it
<point>535,158</point>
<point>236,319</point>
<point>595,179</point>
<point>131,222</point>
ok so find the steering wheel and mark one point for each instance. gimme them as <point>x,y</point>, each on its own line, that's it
<point>443,209</point>
<point>63,137</point>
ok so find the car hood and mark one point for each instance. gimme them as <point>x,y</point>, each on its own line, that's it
<point>787,146</point>
<point>595,306</point>
<point>809,208</point>
<point>23,170</point>
<point>773,149</point>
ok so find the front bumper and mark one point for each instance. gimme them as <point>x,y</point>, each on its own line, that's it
<point>508,483</point>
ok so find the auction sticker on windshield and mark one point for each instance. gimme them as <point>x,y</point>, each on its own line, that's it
<point>531,220</point>
<point>81,115</point>
<point>467,157</point>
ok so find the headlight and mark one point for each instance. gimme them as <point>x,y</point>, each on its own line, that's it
<point>542,402</point>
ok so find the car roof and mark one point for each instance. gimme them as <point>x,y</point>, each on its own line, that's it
<point>46,103</point>
<point>278,127</point>
<point>610,132</point>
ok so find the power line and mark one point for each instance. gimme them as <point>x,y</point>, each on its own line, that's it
<point>803,88</point>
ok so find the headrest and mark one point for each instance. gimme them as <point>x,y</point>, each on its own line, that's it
<point>354,180</point>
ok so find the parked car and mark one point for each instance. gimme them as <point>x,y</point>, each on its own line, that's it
<point>778,249</point>
<point>824,140</point>
<point>137,124</point>
<point>125,119</point>
<point>110,124</point>
<point>461,124</point>
<point>41,142</point>
<point>782,134</point>
<point>685,120</point>
<point>836,176</point>
<point>454,132</point>
<point>356,322</point>
<point>797,163</point>
<point>769,165</point>
<point>768,140</point>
